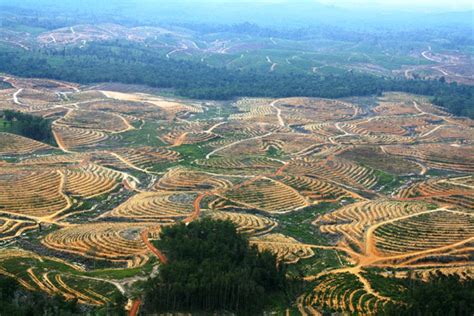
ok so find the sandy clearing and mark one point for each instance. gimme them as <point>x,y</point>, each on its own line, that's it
<point>164,104</point>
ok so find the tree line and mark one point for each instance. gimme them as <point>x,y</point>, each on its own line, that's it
<point>34,127</point>
<point>133,63</point>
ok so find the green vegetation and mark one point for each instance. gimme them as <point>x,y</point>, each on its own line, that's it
<point>322,260</point>
<point>27,125</point>
<point>273,152</point>
<point>299,224</point>
<point>212,268</point>
<point>56,305</point>
<point>387,182</point>
<point>440,295</point>
<point>144,136</point>
<point>118,274</point>
<point>16,301</point>
<point>5,85</point>
<point>374,158</point>
<point>191,152</point>
<point>137,64</point>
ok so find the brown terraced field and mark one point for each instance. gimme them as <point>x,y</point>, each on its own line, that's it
<point>335,188</point>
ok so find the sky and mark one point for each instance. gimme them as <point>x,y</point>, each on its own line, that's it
<point>423,5</point>
<point>428,4</point>
<point>447,5</point>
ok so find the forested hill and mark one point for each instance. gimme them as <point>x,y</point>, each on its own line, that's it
<point>137,64</point>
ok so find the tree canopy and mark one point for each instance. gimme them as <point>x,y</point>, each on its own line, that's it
<point>135,64</point>
<point>440,295</point>
<point>212,268</point>
<point>34,127</point>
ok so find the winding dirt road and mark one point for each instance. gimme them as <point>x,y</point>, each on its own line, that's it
<point>135,307</point>
<point>15,97</point>
<point>161,257</point>
<point>280,118</point>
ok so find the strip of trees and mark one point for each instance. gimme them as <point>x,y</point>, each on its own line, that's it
<point>136,64</point>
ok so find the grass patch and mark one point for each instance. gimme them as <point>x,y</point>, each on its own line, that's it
<point>323,259</point>
<point>119,274</point>
<point>145,136</point>
<point>298,225</point>
<point>387,182</point>
<point>192,152</point>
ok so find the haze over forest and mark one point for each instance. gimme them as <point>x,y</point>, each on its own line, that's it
<point>283,13</point>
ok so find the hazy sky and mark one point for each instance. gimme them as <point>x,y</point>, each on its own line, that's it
<point>407,4</point>
<point>456,4</point>
<point>427,4</point>
<point>438,5</point>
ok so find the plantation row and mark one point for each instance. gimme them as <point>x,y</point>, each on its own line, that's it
<point>317,189</point>
<point>325,129</point>
<point>424,232</point>
<point>343,292</point>
<point>181,179</point>
<point>438,156</point>
<point>94,120</point>
<point>321,110</point>
<point>267,195</point>
<point>11,144</point>
<point>239,163</point>
<point>13,228</point>
<point>337,170</point>
<point>247,223</point>
<point>353,220</point>
<point>238,130</point>
<point>115,242</point>
<point>74,138</point>
<point>147,157</point>
<point>284,143</point>
<point>455,191</point>
<point>186,138</point>
<point>68,284</point>
<point>254,109</point>
<point>43,192</point>
<point>32,192</point>
<point>91,180</point>
<point>159,205</point>
<point>287,249</point>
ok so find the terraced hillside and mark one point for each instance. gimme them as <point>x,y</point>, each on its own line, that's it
<point>337,189</point>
